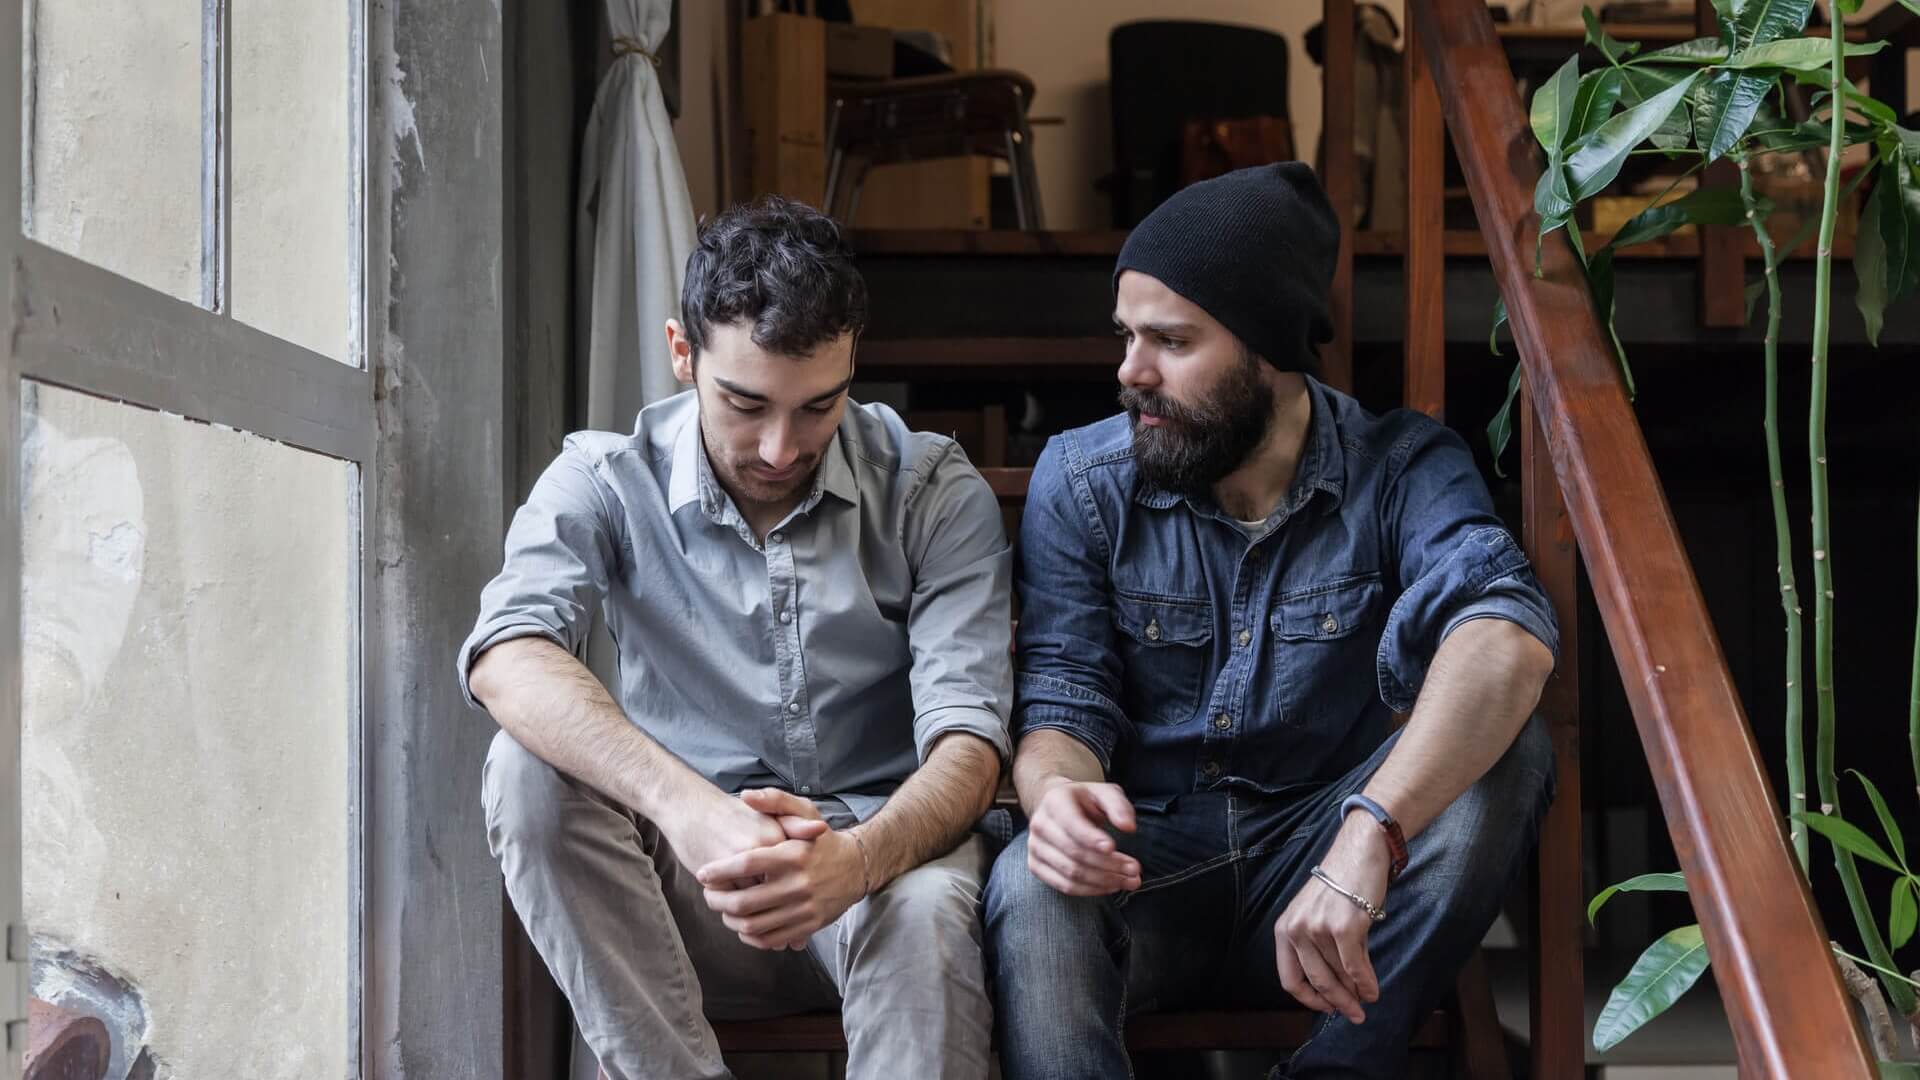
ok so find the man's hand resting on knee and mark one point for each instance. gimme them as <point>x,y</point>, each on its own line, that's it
<point>718,826</point>
<point>1067,842</point>
<point>1320,940</point>
<point>775,896</point>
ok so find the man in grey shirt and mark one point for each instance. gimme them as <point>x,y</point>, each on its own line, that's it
<point>770,813</point>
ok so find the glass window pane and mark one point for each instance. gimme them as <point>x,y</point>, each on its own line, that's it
<point>114,136</point>
<point>292,133</point>
<point>188,698</point>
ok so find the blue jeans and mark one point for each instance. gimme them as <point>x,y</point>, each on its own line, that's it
<point>1217,870</point>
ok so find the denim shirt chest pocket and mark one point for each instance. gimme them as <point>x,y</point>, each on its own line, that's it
<point>1324,640</point>
<point>1166,650</point>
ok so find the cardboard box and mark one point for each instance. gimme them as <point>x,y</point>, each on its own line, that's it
<point>859,52</point>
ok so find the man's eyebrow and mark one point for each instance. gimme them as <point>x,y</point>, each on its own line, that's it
<point>1168,329</point>
<point>831,394</point>
<point>738,391</point>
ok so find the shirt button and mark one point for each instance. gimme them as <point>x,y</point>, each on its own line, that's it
<point>1244,638</point>
<point>1153,630</point>
<point>775,538</point>
<point>786,616</point>
<point>793,706</point>
<point>1210,770</point>
<point>1330,625</point>
<point>805,790</point>
<point>1222,722</point>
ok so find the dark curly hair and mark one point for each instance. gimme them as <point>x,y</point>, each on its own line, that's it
<point>782,266</point>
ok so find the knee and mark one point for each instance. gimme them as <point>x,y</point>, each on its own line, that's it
<point>1021,909</point>
<point>522,795</point>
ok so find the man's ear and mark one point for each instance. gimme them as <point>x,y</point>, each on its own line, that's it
<point>681,349</point>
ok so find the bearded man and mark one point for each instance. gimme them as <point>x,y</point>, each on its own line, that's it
<point>1227,592</point>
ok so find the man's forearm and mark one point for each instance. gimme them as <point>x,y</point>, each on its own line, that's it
<point>933,809</point>
<point>1047,758</point>
<point>551,704</point>
<point>1484,682</point>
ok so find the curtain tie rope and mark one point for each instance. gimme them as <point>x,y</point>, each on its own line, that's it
<point>627,46</point>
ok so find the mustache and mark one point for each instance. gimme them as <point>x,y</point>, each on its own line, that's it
<point>1136,401</point>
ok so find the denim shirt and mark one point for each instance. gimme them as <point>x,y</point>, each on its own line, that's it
<point>1188,654</point>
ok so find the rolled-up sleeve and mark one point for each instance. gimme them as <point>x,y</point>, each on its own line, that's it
<point>1069,669</point>
<point>1456,562</point>
<point>559,556</point>
<point>958,627</point>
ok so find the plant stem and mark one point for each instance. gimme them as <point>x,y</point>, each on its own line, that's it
<point>1829,783</point>
<point>1913,695</point>
<point>1782,531</point>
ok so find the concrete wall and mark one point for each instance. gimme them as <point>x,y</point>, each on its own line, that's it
<point>187,705</point>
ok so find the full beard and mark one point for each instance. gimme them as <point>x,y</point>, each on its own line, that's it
<point>1196,446</point>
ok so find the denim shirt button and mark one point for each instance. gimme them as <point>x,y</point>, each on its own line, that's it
<point>1153,630</point>
<point>1222,722</point>
<point>786,616</point>
<point>1331,624</point>
<point>1244,638</point>
<point>793,706</point>
<point>1210,770</point>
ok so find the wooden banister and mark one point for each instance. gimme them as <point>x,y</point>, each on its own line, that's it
<point>1789,1013</point>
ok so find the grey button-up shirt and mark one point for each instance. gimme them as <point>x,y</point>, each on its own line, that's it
<point>827,661</point>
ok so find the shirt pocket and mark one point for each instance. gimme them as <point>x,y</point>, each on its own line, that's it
<point>1166,648</point>
<point>1324,640</point>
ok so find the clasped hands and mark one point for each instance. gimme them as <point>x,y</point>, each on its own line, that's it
<point>770,865</point>
<point>1320,940</point>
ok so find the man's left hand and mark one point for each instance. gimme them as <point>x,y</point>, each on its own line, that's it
<point>1320,941</point>
<point>799,885</point>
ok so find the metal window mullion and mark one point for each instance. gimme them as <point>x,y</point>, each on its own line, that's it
<point>216,157</point>
<point>83,327</point>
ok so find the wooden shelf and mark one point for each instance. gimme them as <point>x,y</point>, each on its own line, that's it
<point>1105,243</point>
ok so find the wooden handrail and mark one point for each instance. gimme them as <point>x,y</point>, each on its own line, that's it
<point>1782,991</point>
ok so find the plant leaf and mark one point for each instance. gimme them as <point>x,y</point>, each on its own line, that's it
<point>1848,837</point>
<point>1553,106</point>
<point>1882,250</point>
<point>1594,101</point>
<point>1614,51</point>
<point>1500,428</point>
<point>1598,160</point>
<point>1673,882</point>
<point>1552,202</point>
<point>1900,1070</point>
<point>1639,84</point>
<point>1894,839</point>
<point>1724,112</point>
<point>1665,971</point>
<point>1761,21</point>
<point>1706,206</point>
<point>1499,320</point>
<point>1796,54</point>
<point>1703,50</point>
<point>1901,914</point>
<point>1908,183</point>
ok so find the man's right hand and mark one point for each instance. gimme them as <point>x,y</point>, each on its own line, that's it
<point>721,826</point>
<point>1068,846</point>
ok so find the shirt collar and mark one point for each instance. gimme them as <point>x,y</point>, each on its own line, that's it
<point>692,479</point>
<point>1323,464</point>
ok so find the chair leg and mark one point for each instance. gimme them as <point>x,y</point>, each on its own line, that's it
<point>1026,180</point>
<point>1479,1047</point>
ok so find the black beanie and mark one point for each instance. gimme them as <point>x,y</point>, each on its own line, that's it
<point>1254,248</point>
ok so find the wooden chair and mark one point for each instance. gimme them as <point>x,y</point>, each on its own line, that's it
<point>931,116</point>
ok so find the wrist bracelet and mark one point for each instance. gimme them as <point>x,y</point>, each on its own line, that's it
<point>866,870</point>
<point>1376,914</point>
<point>1389,830</point>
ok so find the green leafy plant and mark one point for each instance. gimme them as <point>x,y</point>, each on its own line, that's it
<point>1695,103</point>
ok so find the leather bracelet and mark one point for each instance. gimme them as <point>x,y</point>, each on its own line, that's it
<point>1374,913</point>
<point>1396,839</point>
